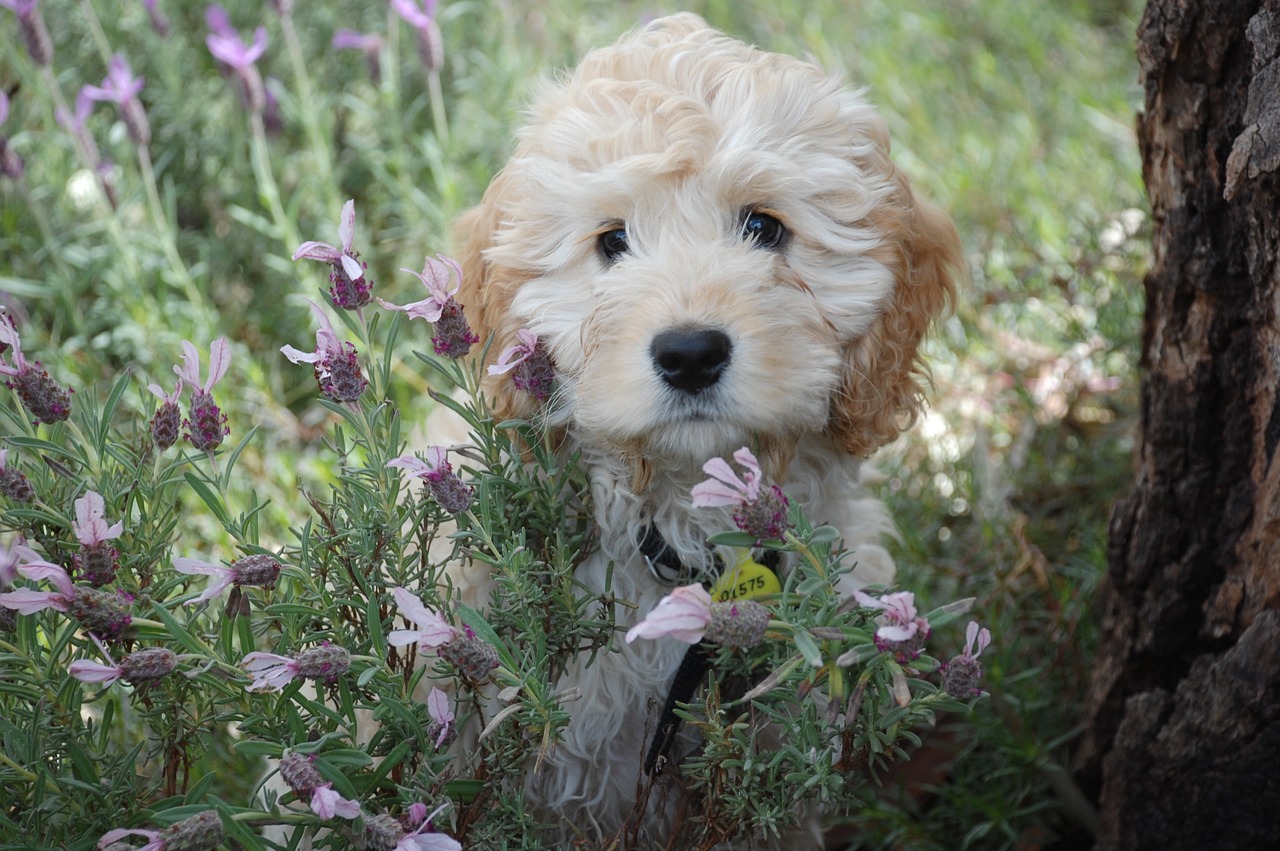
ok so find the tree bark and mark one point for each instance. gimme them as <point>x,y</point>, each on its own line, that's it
<point>1182,736</point>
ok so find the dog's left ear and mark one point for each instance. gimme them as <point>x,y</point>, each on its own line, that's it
<point>884,382</point>
<point>487,290</point>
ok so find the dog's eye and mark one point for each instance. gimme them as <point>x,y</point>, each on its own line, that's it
<point>763,230</point>
<point>613,244</point>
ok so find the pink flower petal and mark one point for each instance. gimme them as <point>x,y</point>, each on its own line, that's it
<point>219,360</point>
<point>93,672</point>
<point>321,251</point>
<point>26,601</point>
<point>347,225</point>
<point>433,631</point>
<point>683,615</point>
<point>39,570</point>
<point>299,356</point>
<point>353,269</point>
<point>327,803</point>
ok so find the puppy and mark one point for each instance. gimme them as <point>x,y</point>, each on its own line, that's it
<point>715,250</point>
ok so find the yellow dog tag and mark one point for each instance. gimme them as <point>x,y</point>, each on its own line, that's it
<point>746,579</point>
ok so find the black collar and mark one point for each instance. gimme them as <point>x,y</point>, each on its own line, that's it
<point>664,562</point>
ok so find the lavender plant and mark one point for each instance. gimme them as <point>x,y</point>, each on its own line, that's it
<point>308,640</point>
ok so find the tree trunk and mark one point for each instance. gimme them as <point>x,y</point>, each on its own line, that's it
<point>1182,738</point>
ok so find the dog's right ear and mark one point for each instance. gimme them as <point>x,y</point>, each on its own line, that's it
<point>487,290</point>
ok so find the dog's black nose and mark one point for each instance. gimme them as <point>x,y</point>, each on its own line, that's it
<point>691,359</point>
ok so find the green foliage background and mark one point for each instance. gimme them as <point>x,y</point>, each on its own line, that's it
<point>1016,117</point>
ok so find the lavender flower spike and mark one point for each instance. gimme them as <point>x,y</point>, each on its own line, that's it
<point>529,364</point>
<point>34,33</point>
<point>206,424</point>
<point>349,289</point>
<point>758,511</point>
<point>97,560</point>
<point>44,398</point>
<point>228,48</point>
<point>121,88</point>
<point>336,367</point>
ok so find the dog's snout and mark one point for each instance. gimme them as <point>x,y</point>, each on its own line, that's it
<point>691,359</point>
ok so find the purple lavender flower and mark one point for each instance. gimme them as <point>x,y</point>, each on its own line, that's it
<point>369,44</point>
<point>758,511</point>
<point>441,716</point>
<point>452,336</point>
<point>201,832</point>
<point>11,164</point>
<point>384,832</point>
<point>423,19</point>
<point>121,88</point>
<point>97,560</point>
<point>13,482</point>
<point>473,657</point>
<point>35,35</point>
<point>142,666</point>
<point>43,397</point>
<point>336,367</point>
<point>299,772</point>
<point>433,630</point>
<point>205,423</point>
<point>167,421</point>
<point>450,492</point>
<point>159,22</point>
<point>529,364</point>
<point>226,45</point>
<point>273,672</point>
<point>350,289</point>
<point>902,631</point>
<point>960,676</point>
<point>258,570</point>
<point>101,613</point>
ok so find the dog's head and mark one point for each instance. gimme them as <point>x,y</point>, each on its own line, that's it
<point>715,249</point>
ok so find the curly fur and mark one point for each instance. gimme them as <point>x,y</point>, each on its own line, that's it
<point>675,131</point>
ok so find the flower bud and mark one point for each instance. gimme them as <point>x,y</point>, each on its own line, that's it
<point>96,563</point>
<point>452,336</point>
<point>765,517</point>
<point>737,623</point>
<point>165,425</point>
<point>960,677</point>
<point>149,664</point>
<point>299,772</point>
<point>201,832</point>
<point>206,424</point>
<point>326,662</point>
<point>382,832</point>
<point>43,397</point>
<point>14,484</point>
<point>535,375</point>
<point>450,492</point>
<point>345,382</point>
<point>257,570</point>
<point>103,613</point>
<point>346,293</point>
<point>473,657</point>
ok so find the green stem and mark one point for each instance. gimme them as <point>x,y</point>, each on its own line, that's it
<point>307,105</point>
<point>95,27</point>
<point>260,155</point>
<point>161,220</point>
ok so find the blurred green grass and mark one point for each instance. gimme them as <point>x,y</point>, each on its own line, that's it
<point>1014,116</point>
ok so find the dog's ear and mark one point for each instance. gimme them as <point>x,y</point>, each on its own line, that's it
<point>487,290</point>
<point>884,382</point>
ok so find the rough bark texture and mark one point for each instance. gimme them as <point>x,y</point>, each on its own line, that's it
<point>1182,741</point>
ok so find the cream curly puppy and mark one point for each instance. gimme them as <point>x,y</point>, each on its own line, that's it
<point>715,250</point>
